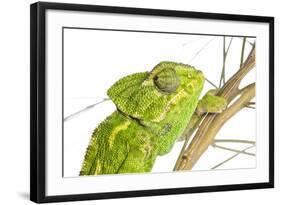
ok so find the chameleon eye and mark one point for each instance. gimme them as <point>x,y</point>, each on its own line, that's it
<point>166,80</point>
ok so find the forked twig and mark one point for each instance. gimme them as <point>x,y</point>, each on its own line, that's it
<point>232,150</point>
<point>233,156</point>
<point>212,123</point>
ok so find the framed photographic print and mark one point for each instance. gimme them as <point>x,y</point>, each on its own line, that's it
<point>129,102</point>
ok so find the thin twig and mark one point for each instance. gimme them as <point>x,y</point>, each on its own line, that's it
<point>225,52</point>
<point>71,116</point>
<point>191,41</point>
<point>201,49</point>
<point>233,156</point>
<point>223,63</point>
<point>250,107</point>
<point>211,83</point>
<point>242,51</point>
<point>247,41</point>
<point>234,141</point>
<point>232,150</point>
<point>229,45</point>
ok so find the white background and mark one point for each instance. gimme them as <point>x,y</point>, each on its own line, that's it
<point>89,57</point>
<point>14,109</point>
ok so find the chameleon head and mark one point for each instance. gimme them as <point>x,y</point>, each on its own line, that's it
<point>151,95</point>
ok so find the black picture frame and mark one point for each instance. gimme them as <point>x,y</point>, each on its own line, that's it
<point>38,100</point>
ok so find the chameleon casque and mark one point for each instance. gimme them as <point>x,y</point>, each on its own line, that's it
<point>153,109</point>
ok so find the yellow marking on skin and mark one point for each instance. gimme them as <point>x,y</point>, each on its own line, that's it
<point>189,88</point>
<point>176,98</point>
<point>146,149</point>
<point>98,167</point>
<point>116,131</point>
<point>173,101</point>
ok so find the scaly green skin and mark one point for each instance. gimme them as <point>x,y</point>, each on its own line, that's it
<point>153,108</point>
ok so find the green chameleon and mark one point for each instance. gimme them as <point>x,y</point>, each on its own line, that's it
<point>153,109</point>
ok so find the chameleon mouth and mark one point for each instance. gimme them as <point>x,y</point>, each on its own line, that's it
<point>200,73</point>
<point>196,82</point>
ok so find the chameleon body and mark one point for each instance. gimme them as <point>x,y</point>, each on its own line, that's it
<point>153,109</point>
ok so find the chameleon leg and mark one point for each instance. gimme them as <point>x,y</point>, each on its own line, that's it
<point>130,165</point>
<point>140,157</point>
<point>211,103</point>
<point>188,131</point>
<point>135,162</point>
<point>191,126</point>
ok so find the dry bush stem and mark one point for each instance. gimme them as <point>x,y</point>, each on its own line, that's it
<point>212,123</point>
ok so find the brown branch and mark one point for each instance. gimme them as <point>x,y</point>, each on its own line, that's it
<point>212,123</point>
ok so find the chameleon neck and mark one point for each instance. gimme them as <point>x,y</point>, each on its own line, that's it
<point>176,119</point>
